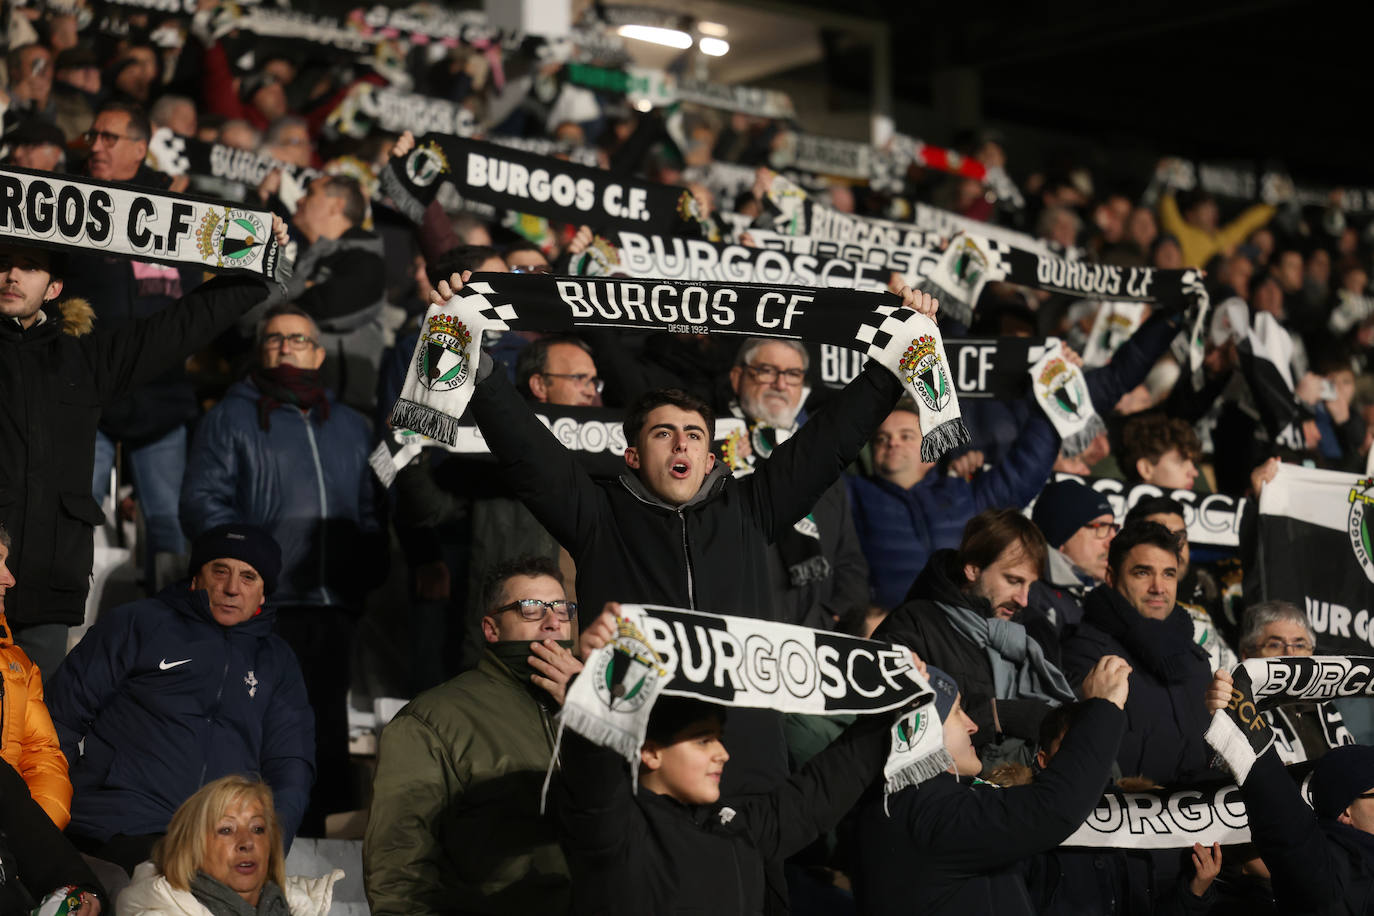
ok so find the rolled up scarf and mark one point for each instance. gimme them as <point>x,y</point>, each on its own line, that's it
<point>442,376</point>
<point>1240,734</point>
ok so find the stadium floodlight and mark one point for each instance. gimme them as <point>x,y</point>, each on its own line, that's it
<point>671,38</point>
<point>714,47</point>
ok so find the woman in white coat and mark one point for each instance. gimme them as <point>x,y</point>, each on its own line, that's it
<point>222,856</point>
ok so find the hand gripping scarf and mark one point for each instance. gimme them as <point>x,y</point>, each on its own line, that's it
<point>739,661</point>
<point>442,375</point>
<point>1062,393</point>
<point>1239,733</point>
<point>86,215</point>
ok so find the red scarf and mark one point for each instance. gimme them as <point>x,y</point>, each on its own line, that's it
<point>288,386</point>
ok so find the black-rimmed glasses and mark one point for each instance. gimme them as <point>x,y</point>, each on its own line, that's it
<point>533,610</point>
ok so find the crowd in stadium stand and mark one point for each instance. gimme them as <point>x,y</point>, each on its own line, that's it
<point>164,757</point>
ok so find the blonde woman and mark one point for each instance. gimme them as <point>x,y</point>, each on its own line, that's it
<point>222,856</point>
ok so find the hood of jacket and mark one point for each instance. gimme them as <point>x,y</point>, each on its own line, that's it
<point>75,317</point>
<point>1061,572</point>
<point>937,582</point>
<point>710,485</point>
<point>195,604</point>
<point>6,637</point>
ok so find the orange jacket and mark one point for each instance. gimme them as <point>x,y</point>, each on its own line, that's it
<point>28,741</point>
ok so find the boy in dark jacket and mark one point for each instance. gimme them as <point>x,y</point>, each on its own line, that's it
<point>674,846</point>
<point>955,844</point>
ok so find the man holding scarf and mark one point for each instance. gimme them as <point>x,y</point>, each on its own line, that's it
<point>279,452</point>
<point>675,528</point>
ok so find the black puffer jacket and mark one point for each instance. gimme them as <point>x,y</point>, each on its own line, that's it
<point>951,847</point>
<point>54,382</point>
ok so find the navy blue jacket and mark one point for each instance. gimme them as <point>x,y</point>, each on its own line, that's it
<point>306,481</point>
<point>167,700</point>
<point>1165,716</point>
<point>899,529</point>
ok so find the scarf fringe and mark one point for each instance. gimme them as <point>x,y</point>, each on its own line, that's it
<point>1076,444</point>
<point>928,767</point>
<point>400,195</point>
<point>427,421</point>
<point>602,734</point>
<point>1233,746</point>
<point>948,435</point>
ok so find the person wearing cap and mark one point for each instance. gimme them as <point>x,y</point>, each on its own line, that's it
<point>956,844</point>
<point>1320,858</point>
<point>57,372</point>
<point>279,451</point>
<point>964,613</point>
<point>37,144</point>
<point>76,90</point>
<point>676,843</point>
<point>171,692</point>
<point>1136,615</point>
<point>1078,524</point>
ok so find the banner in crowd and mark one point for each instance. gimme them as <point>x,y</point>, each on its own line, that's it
<point>660,89</point>
<point>1165,819</point>
<point>634,254</point>
<point>1241,735</point>
<point>85,215</point>
<point>516,180</point>
<point>173,154</point>
<point>1213,519</point>
<point>366,107</point>
<point>1316,550</point>
<point>739,661</point>
<point>595,434</point>
<point>440,380</point>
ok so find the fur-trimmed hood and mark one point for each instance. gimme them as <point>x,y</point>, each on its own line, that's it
<point>78,316</point>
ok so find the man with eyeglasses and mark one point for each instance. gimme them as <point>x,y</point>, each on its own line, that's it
<point>455,823</point>
<point>1199,593</point>
<point>1136,615</point>
<point>817,570</point>
<point>1302,731</point>
<point>559,370</point>
<point>1078,524</point>
<point>280,452</point>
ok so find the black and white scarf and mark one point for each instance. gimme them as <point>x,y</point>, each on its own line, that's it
<point>738,661</point>
<point>1239,732</point>
<point>516,180</point>
<point>661,89</point>
<point>1062,393</point>
<point>86,215</point>
<point>173,154</point>
<point>442,375</point>
<point>1212,519</point>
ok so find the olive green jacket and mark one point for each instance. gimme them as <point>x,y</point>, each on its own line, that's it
<point>455,824</point>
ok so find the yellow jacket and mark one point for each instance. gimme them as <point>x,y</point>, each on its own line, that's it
<point>1200,246</point>
<point>28,741</point>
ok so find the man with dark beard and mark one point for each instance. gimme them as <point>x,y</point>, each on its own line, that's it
<point>281,453</point>
<point>817,569</point>
<point>960,616</point>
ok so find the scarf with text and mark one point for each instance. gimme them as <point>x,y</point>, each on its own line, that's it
<point>1240,734</point>
<point>1270,186</point>
<point>1212,519</point>
<point>173,154</point>
<point>739,661</point>
<point>982,367</point>
<point>1062,393</point>
<point>442,375</point>
<point>86,215</point>
<point>634,254</point>
<point>515,180</point>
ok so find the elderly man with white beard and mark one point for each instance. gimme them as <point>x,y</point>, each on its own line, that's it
<point>816,568</point>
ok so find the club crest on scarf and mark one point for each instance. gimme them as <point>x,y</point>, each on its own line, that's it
<point>1361,498</point>
<point>1064,389</point>
<point>626,677</point>
<point>969,262</point>
<point>907,732</point>
<point>442,363</point>
<point>925,372</point>
<point>233,239</point>
<point>425,164</point>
